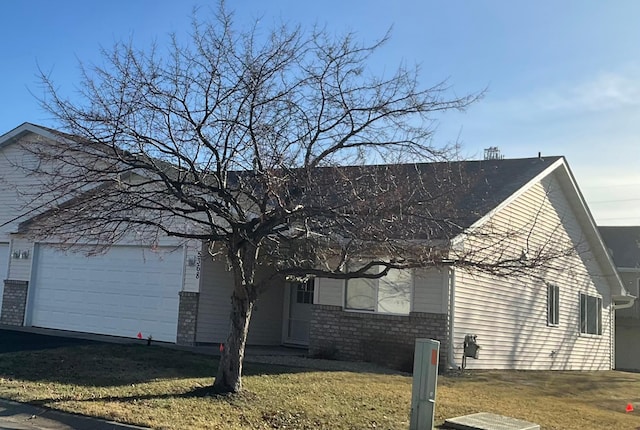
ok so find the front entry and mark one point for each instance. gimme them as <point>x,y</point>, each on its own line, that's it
<point>298,317</point>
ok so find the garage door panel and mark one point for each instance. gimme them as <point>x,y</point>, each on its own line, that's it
<point>123,292</point>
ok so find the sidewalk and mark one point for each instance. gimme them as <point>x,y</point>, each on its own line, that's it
<point>19,416</point>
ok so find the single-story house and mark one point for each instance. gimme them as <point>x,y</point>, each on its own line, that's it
<point>174,291</point>
<point>623,243</point>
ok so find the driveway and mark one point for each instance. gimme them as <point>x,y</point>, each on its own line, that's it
<point>18,340</point>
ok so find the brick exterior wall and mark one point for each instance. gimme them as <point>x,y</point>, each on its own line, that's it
<point>187,318</point>
<point>14,302</point>
<point>388,340</point>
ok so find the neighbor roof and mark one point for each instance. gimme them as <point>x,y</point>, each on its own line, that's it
<point>623,244</point>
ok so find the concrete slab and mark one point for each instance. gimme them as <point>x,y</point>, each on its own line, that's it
<point>488,421</point>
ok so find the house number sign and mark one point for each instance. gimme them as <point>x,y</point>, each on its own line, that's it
<point>198,264</point>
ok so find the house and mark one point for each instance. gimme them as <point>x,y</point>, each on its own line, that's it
<point>173,291</point>
<point>623,243</point>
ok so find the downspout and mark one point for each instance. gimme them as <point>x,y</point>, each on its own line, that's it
<point>452,314</point>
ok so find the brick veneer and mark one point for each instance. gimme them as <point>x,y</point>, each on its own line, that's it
<point>187,318</point>
<point>388,340</point>
<point>14,302</point>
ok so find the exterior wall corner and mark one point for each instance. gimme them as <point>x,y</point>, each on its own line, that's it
<point>187,318</point>
<point>14,302</point>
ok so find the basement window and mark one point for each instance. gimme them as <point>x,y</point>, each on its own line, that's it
<point>553,305</point>
<point>590,314</point>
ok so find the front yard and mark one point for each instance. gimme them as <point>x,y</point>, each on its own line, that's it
<point>162,388</point>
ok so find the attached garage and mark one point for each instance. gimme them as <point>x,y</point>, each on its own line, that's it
<point>127,290</point>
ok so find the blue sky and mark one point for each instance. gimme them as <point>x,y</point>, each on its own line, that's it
<point>562,77</point>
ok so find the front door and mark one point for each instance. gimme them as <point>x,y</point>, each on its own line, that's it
<point>300,302</point>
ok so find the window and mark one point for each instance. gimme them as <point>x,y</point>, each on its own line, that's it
<point>304,292</point>
<point>590,314</point>
<point>553,305</point>
<point>389,294</point>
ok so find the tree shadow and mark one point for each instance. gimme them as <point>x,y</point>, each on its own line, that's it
<point>102,365</point>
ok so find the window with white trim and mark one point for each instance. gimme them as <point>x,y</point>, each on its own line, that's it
<point>390,294</point>
<point>304,292</point>
<point>553,305</point>
<point>590,314</point>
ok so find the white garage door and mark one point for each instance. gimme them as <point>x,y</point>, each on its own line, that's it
<point>4,268</point>
<point>123,292</point>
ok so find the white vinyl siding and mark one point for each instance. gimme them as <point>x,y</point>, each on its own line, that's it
<point>509,315</point>
<point>20,268</point>
<point>330,291</point>
<point>214,302</point>
<point>214,306</point>
<point>430,291</point>
<point>18,188</point>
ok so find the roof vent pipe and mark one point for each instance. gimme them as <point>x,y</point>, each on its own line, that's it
<point>493,153</point>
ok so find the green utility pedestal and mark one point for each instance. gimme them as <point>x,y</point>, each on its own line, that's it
<point>425,380</point>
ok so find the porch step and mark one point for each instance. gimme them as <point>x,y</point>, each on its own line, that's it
<point>488,421</point>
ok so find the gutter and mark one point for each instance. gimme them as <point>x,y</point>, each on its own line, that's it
<point>627,302</point>
<point>452,313</point>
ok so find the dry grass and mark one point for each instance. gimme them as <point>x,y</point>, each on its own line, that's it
<point>162,388</point>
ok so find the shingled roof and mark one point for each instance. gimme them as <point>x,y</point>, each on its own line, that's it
<point>439,200</point>
<point>430,201</point>
<point>623,244</point>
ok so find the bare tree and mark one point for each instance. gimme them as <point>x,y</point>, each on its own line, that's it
<point>241,140</point>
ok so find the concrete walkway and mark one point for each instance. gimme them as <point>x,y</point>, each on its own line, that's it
<point>18,416</point>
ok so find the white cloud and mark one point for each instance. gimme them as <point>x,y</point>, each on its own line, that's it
<point>604,92</point>
<point>601,93</point>
<point>594,122</point>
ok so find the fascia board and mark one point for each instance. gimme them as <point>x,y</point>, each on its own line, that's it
<point>23,129</point>
<point>592,230</point>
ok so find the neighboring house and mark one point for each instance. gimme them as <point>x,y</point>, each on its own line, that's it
<point>175,292</point>
<point>624,245</point>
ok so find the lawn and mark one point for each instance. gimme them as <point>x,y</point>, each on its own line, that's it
<point>163,388</point>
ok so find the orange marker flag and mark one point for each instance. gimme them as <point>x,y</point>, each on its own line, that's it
<point>629,407</point>
<point>221,347</point>
<point>139,335</point>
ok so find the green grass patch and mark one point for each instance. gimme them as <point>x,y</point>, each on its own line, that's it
<point>162,388</point>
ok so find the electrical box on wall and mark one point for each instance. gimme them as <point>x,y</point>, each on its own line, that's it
<point>471,347</point>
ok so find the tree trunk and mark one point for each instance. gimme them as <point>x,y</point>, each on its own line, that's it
<point>229,376</point>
